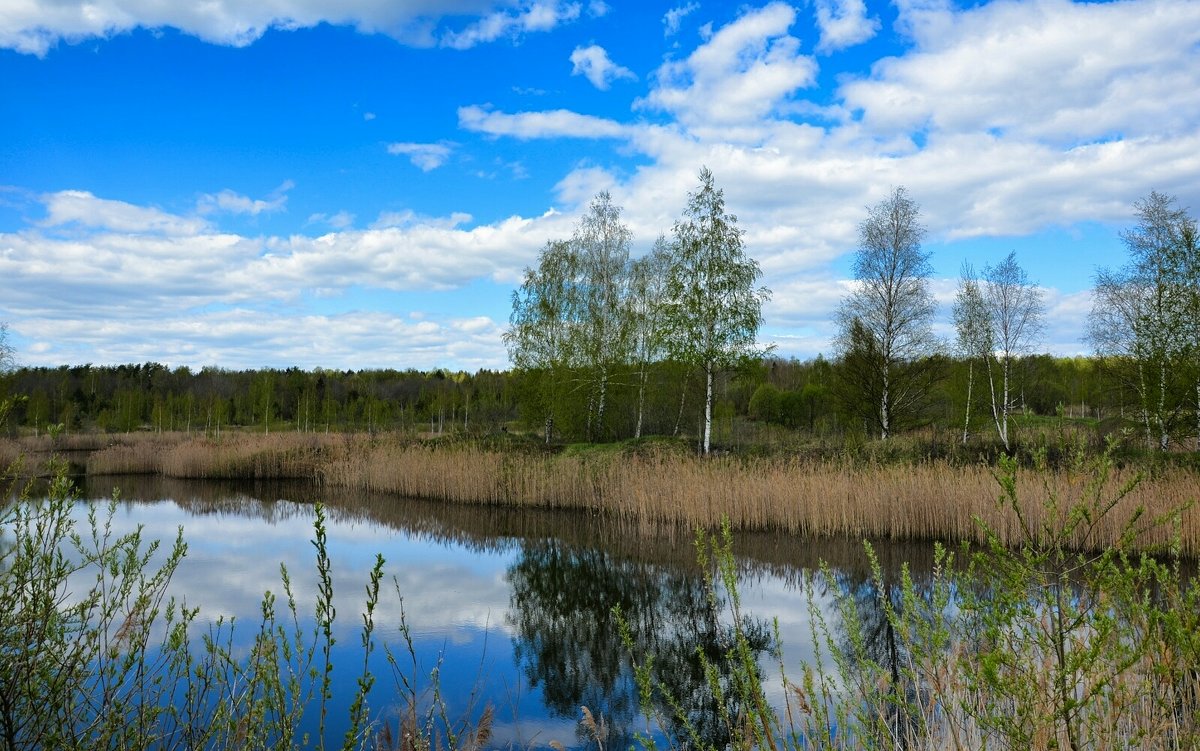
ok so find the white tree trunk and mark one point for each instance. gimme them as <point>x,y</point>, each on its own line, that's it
<point>995,407</point>
<point>970,383</point>
<point>1007,405</point>
<point>708,400</point>
<point>1164,438</point>
<point>885,407</point>
<point>1145,397</point>
<point>641,408</point>
<point>600,407</point>
<point>682,398</point>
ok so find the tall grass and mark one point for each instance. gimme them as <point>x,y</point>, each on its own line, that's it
<point>935,499</point>
<point>1035,646</point>
<point>95,652</point>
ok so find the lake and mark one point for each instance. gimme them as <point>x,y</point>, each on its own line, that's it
<point>513,608</point>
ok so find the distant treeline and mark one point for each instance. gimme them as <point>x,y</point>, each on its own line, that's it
<point>804,396</point>
<point>152,396</point>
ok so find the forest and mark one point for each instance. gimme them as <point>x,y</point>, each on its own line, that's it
<point>771,400</point>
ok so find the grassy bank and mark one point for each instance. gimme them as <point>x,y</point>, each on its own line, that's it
<point>926,499</point>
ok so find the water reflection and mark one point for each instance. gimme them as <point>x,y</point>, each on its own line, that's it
<point>515,604</point>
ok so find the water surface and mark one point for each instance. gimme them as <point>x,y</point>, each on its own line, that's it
<point>512,607</point>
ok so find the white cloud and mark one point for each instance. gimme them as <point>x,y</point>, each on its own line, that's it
<point>79,207</point>
<point>34,27</point>
<point>218,298</point>
<point>534,16</point>
<point>341,220</point>
<point>674,17</point>
<point>425,156</point>
<point>549,124</point>
<point>843,23</point>
<point>1049,70</point>
<point>123,288</point>
<point>739,75</point>
<point>410,219</point>
<point>593,63</point>
<point>229,202</point>
<point>251,337</point>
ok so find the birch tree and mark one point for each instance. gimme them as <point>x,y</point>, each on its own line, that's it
<point>1144,316</point>
<point>6,350</point>
<point>647,290</point>
<point>973,327</point>
<point>892,307</point>
<point>1164,249</point>
<point>537,338</point>
<point>6,364</point>
<point>1015,312</point>
<point>1187,269</point>
<point>602,333</point>
<point>712,309</point>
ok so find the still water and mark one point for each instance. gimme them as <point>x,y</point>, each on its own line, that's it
<point>512,608</point>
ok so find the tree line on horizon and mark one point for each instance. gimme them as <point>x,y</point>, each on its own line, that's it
<point>606,346</point>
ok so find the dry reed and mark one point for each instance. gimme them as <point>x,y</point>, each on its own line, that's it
<point>928,500</point>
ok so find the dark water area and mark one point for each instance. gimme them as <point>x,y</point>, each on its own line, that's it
<point>511,607</point>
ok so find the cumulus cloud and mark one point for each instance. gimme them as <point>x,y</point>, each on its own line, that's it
<point>209,298</point>
<point>1032,70</point>
<point>593,63</point>
<point>843,23</point>
<point>535,16</point>
<point>424,156</point>
<point>547,124</point>
<point>81,208</point>
<point>35,27</point>
<point>740,74</point>
<point>251,337</point>
<point>800,188</point>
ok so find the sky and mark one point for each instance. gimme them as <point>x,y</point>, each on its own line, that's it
<point>360,183</point>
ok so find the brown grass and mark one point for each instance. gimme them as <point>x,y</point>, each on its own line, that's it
<point>928,500</point>
<point>235,456</point>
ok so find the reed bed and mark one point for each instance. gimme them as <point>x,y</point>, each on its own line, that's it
<point>824,497</point>
<point>234,456</point>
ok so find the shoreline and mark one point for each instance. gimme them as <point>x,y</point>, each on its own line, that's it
<point>902,500</point>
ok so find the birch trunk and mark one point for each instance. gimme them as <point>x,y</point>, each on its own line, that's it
<point>885,415</point>
<point>641,408</point>
<point>970,383</point>
<point>995,407</point>
<point>1164,437</point>
<point>708,399</point>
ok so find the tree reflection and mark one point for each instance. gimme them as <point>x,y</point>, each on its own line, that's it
<point>873,603</point>
<point>568,642</point>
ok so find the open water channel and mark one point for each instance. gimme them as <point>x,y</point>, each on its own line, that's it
<point>513,608</point>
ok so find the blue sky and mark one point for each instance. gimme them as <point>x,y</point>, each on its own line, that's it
<point>359,183</point>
